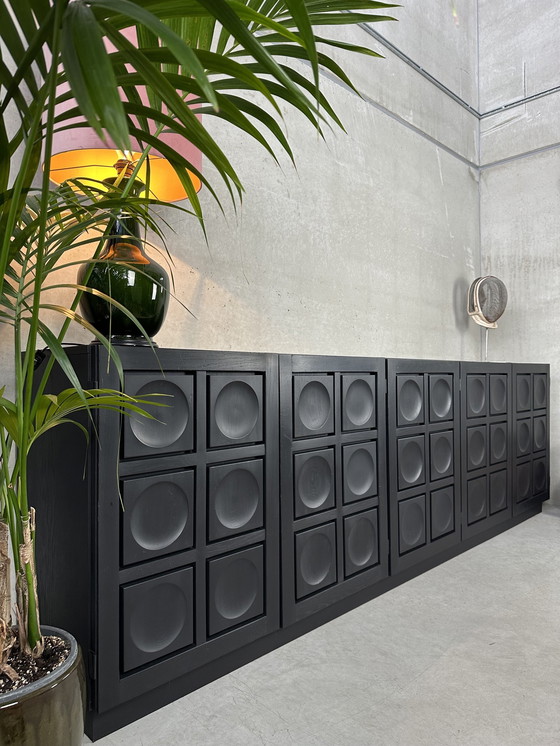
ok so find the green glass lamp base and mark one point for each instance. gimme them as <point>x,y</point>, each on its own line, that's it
<point>125,274</point>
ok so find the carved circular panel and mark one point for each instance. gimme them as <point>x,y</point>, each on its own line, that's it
<point>362,542</point>
<point>411,461</point>
<point>314,482</point>
<point>523,393</point>
<point>314,405</point>
<point>442,398</point>
<point>316,559</point>
<point>159,619</point>
<point>476,395</point>
<point>539,477</point>
<point>498,491</point>
<point>539,433</point>
<point>236,589</point>
<point>236,498</point>
<point>410,400</point>
<point>171,418</point>
<point>498,442</point>
<point>159,516</point>
<point>476,496</point>
<point>477,447</point>
<point>523,481</point>
<point>442,512</point>
<point>442,454</point>
<point>539,393</point>
<point>498,394</point>
<point>359,403</point>
<point>237,410</point>
<point>523,436</point>
<point>360,472</point>
<point>412,522</point>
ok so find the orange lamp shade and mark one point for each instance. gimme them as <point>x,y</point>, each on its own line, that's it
<point>80,154</point>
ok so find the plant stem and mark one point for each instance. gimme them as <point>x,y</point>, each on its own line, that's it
<point>24,374</point>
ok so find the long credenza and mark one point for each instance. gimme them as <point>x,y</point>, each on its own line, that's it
<point>269,495</point>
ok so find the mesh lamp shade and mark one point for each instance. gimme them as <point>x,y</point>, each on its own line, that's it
<point>80,154</point>
<point>487,300</point>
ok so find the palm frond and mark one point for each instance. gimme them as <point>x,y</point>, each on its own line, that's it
<point>54,410</point>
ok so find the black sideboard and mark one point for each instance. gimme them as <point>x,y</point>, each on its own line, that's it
<point>271,494</point>
<point>334,480</point>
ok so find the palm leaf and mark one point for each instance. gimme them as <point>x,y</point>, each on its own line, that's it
<point>183,53</point>
<point>11,37</point>
<point>55,410</point>
<point>91,74</point>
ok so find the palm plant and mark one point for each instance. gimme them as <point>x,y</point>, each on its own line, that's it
<point>232,59</point>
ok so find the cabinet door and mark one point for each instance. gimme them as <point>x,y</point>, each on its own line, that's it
<point>530,468</point>
<point>188,567</point>
<point>423,452</point>
<point>487,447</point>
<point>333,483</point>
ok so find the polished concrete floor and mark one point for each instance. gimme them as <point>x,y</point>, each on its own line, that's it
<point>468,653</point>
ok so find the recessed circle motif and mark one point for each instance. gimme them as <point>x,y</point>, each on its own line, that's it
<point>159,618</point>
<point>412,523</point>
<point>539,476</point>
<point>498,443</point>
<point>477,498</point>
<point>523,436</point>
<point>359,403</point>
<point>540,392</point>
<point>410,400</point>
<point>442,512</point>
<point>236,498</point>
<point>442,398</point>
<point>314,482</point>
<point>314,405</point>
<point>237,410</point>
<point>236,589</point>
<point>523,393</point>
<point>159,516</point>
<point>498,393</point>
<point>523,481</point>
<point>362,542</point>
<point>411,461</point>
<point>539,434</point>
<point>360,472</point>
<point>171,418</point>
<point>316,559</point>
<point>441,454</point>
<point>477,447</point>
<point>476,395</point>
<point>498,491</point>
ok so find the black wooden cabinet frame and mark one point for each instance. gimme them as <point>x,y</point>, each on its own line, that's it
<point>487,421</point>
<point>278,492</point>
<point>341,441</point>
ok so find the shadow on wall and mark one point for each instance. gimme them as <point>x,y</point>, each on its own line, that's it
<point>460,290</point>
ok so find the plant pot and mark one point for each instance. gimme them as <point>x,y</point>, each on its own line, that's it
<point>48,712</point>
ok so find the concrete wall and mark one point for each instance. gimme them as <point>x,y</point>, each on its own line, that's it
<point>442,38</point>
<point>369,247</point>
<point>520,167</point>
